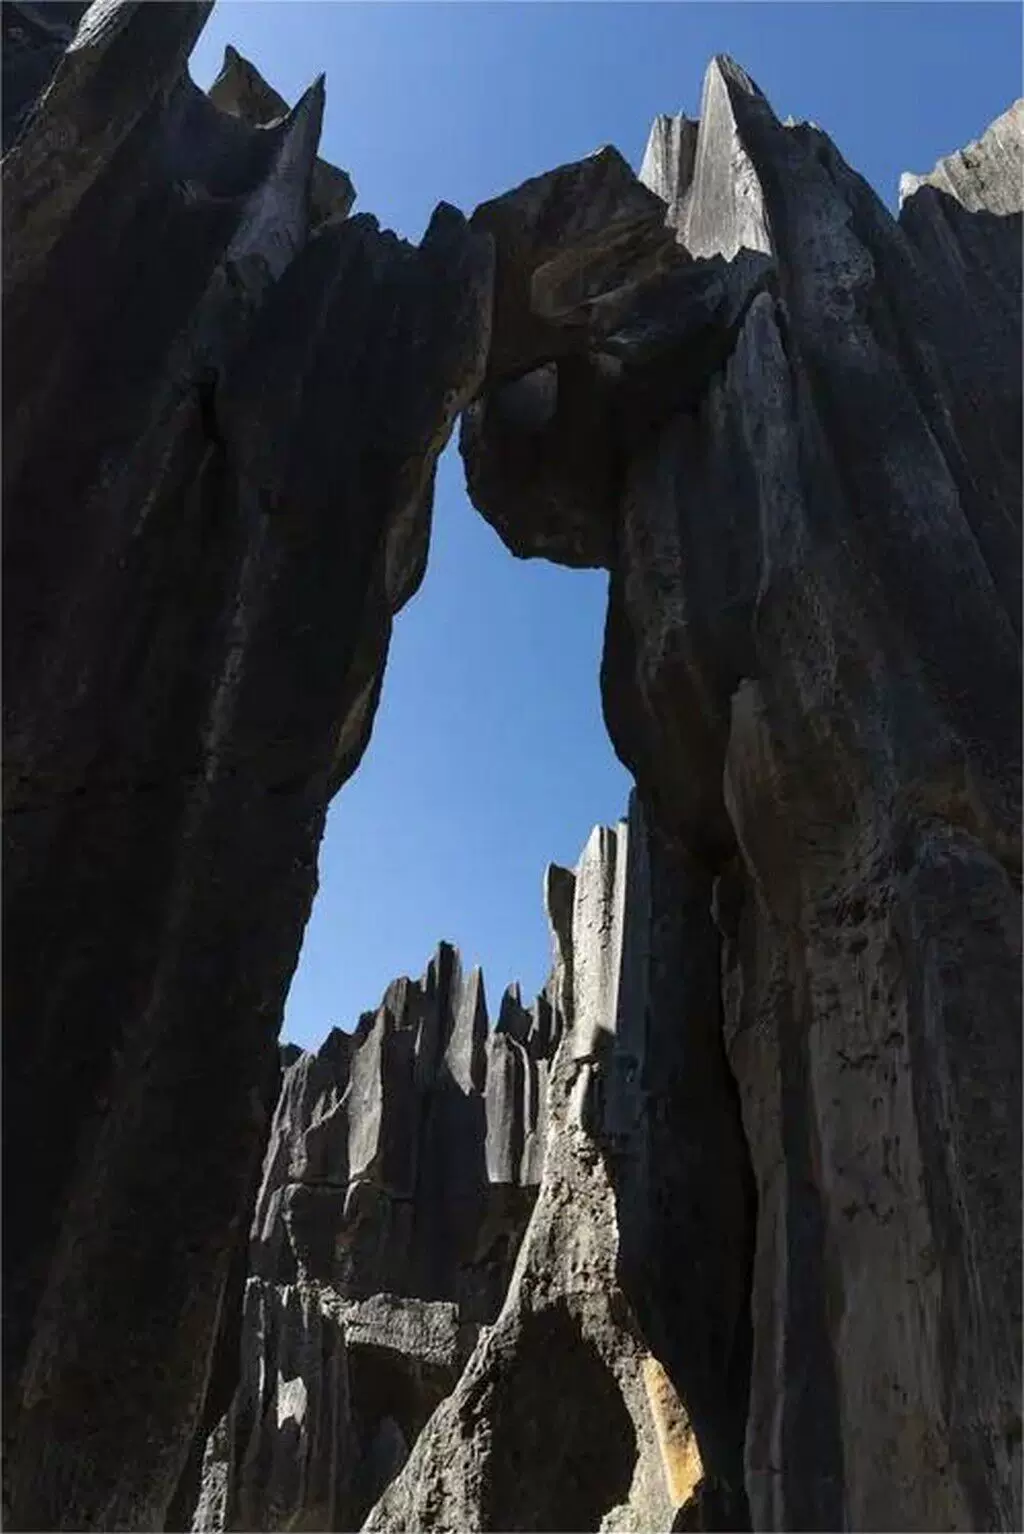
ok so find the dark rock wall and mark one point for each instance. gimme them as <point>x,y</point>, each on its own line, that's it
<point>810,508</point>
<point>217,473</point>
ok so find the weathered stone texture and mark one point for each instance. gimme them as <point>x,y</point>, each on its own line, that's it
<point>767,1111</point>
<point>400,1173</point>
<point>217,471</point>
<point>562,1419</point>
<point>812,666</point>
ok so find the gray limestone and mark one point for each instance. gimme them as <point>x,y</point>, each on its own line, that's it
<point>808,496</point>
<point>402,1165</point>
<point>563,1418</point>
<point>723,1230</point>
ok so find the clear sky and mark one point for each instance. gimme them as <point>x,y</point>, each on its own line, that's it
<point>489,756</point>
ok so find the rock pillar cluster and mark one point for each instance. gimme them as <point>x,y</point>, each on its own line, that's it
<point>771,1103</point>
<point>434,1317</point>
<point>563,1417</point>
<point>400,1174</point>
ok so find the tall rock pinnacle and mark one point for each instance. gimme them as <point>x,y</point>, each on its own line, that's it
<point>217,475</point>
<point>806,485</point>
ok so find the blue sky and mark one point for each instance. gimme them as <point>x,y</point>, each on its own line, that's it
<point>489,757</point>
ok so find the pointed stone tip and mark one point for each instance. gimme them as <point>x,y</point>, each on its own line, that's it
<point>338,1039</point>
<point>241,91</point>
<point>311,102</point>
<point>447,957</point>
<point>511,1013</point>
<point>612,157</point>
<point>316,94</point>
<point>596,843</point>
<point>556,879</point>
<point>446,221</point>
<point>365,1026</point>
<point>559,896</point>
<point>478,991</point>
<point>725,68</point>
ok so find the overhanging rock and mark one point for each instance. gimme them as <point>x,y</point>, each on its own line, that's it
<point>812,666</point>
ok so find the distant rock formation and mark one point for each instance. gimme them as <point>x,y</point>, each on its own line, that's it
<point>401,1170</point>
<point>217,476</point>
<point>772,1273</point>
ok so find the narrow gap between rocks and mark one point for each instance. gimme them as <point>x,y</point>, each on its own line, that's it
<point>489,758</point>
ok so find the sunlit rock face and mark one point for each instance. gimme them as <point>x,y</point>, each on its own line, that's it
<point>564,1417</point>
<point>807,487</point>
<point>224,403</point>
<point>400,1174</point>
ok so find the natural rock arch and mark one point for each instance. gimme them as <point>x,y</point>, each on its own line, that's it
<point>818,696</point>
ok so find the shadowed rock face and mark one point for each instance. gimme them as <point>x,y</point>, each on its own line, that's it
<point>808,496</point>
<point>35,38</point>
<point>217,476</point>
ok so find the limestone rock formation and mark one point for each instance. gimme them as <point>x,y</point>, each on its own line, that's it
<point>401,1170</point>
<point>563,1419</point>
<point>808,497</point>
<point>224,405</point>
<point>767,1114</point>
<point>433,1264</point>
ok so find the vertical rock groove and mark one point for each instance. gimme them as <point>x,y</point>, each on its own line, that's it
<point>200,576</point>
<point>807,494</point>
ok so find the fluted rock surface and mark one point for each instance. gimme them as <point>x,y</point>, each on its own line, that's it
<point>564,1418</point>
<point>446,1226</point>
<point>400,1174</point>
<point>224,403</point>
<point>808,496</point>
